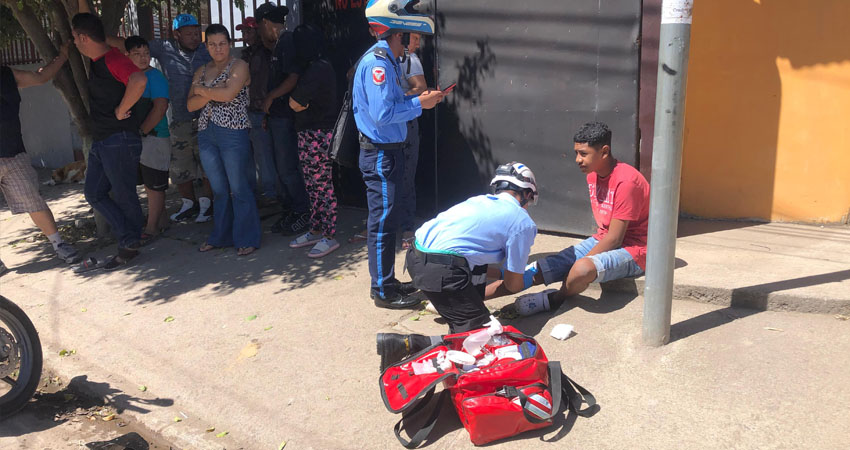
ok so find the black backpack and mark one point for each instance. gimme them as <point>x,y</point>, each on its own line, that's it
<point>345,144</point>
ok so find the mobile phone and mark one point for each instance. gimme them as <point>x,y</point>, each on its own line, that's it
<point>450,88</point>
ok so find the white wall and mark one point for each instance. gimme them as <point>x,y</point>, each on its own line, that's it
<point>46,125</point>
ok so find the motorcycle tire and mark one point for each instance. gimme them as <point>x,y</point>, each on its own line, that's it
<point>14,322</point>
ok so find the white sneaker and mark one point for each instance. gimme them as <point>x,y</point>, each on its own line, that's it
<point>323,247</point>
<point>304,240</point>
<point>187,211</point>
<point>529,304</point>
<point>66,252</point>
<point>204,212</point>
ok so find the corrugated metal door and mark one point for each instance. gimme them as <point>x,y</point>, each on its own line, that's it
<point>529,74</point>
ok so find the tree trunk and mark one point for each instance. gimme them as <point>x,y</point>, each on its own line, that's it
<point>60,18</point>
<point>64,80</point>
<point>111,14</point>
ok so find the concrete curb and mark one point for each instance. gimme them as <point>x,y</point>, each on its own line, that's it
<point>749,298</point>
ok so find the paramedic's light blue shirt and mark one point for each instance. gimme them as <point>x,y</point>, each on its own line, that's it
<point>381,110</point>
<point>486,229</point>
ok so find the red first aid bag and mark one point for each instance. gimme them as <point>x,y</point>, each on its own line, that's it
<point>499,399</point>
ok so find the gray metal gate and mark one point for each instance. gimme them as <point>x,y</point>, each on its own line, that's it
<point>529,74</point>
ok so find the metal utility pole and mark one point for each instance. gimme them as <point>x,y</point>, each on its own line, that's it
<point>674,43</point>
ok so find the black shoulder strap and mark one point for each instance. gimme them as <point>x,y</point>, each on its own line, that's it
<point>429,423</point>
<point>575,399</point>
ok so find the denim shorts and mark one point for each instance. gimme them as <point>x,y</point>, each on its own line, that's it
<point>610,265</point>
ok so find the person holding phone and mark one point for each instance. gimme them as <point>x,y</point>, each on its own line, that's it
<point>381,111</point>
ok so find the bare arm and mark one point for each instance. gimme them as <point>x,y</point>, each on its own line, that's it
<point>160,105</point>
<point>613,240</point>
<point>286,87</point>
<point>26,78</point>
<point>417,85</point>
<point>239,78</point>
<point>135,88</point>
<point>297,106</point>
<point>512,284</point>
<point>195,101</point>
<point>113,41</point>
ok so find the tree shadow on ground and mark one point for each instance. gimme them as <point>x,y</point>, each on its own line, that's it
<point>172,265</point>
<point>50,409</point>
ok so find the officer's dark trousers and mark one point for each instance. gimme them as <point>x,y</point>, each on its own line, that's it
<point>455,290</point>
<point>383,173</point>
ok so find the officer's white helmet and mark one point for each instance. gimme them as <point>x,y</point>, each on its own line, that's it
<point>398,16</point>
<point>515,177</point>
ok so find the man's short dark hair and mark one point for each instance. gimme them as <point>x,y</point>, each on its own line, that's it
<point>134,42</point>
<point>594,134</point>
<point>90,25</point>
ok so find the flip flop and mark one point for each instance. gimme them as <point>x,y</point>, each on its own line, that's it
<point>87,265</point>
<point>245,251</point>
<point>206,248</point>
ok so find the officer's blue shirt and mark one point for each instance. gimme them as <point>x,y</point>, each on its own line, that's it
<point>486,229</point>
<point>381,109</point>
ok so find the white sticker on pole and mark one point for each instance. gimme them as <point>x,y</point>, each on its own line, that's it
<point>677,11</point>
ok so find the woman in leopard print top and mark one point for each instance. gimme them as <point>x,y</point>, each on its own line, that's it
<point>221,89</point>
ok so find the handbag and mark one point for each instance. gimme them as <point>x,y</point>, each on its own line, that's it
<point>498,397</point>
<point>345,145</point>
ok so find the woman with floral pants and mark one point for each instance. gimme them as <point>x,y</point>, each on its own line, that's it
<point>314,103</point>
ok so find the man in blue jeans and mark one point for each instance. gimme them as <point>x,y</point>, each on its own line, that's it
<point>258,57</point>
<point>281,121</point>
<point>115,85</point>
<point>381,111</point>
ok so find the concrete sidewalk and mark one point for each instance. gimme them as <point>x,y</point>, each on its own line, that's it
<point>772,266</point>
<point>278,347</point>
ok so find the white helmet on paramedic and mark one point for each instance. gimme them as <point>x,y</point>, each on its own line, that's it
<point>515,177</point>
<point>398,16</point>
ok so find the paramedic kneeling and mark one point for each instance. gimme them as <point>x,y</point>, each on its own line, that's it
<point>449,259</point>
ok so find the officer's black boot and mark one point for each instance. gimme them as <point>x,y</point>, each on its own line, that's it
<point>396,296</point>
<point>394,347</point>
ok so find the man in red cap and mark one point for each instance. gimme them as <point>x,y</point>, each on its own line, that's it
<point>258,56</point>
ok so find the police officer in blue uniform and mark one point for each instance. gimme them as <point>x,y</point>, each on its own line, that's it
<point>381,111</point>
<point>450,258</point>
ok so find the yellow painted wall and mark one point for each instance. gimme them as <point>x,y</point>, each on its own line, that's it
<point>767,126</point>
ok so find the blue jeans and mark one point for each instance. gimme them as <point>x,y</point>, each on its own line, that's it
<point>383,173</point>
<point>113,166</point>
<point>229,165</point>
<point>610,265</point>
<point>261,141</point>
<point>285,143</point>
<point>408,191</point>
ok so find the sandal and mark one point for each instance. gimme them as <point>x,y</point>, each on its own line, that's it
<point>122,258</point>
<point>206,247</point>
<point>145,238</point>
<point>87,265</point>
<point>245,251</point>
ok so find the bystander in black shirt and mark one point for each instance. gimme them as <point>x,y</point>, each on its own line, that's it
<point>10,121</point>
<point>316,89</point>
<point>283,63</point>
<point>108,79</point>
